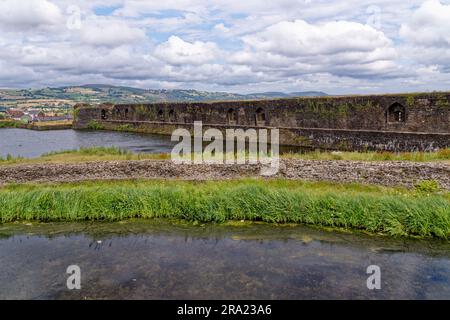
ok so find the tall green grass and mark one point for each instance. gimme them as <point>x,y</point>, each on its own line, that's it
<point>418,156</point>
<point>84,154</point>
<point>395,212</point>
<point>91,151</point>
<point>9,124</point>
<point>11,159</point>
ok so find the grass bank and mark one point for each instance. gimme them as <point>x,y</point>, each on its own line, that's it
<point>50,125</point>
<point>43,125</point>
<point>397,212</point>
<point>441,155</point>
<point>9,124</point>
<point>83,155</point>
<point>114,153</point>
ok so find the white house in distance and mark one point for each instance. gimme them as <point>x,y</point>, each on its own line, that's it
<point>25,116</point>
<point>33,115</point>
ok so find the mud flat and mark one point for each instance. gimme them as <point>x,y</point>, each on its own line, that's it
<point>406,174</point>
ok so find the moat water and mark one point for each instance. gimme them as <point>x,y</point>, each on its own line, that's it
<point>160,259</point>
<point>31,144</point>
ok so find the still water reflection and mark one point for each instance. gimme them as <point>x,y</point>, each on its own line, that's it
<point>167,260</point>
<point>30,143</point>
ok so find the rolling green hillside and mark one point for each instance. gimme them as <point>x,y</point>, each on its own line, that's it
<point>105,93</point>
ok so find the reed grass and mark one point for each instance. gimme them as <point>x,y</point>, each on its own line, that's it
<point>396,212</point>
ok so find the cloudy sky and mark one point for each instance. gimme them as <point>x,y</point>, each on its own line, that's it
<point>351,46</point>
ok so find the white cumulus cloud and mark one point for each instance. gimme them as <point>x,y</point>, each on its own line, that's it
<point>231,45</point>
<point>176,51</point>
<point>110,33</point>
<point>28,14</point>
<point>338,47</point>
<point>299,38</point>
<point>429,25</point>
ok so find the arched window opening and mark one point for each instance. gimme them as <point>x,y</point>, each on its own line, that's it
<point>260,117</point>
<point>396,113</point>
<point>232,116</point>
<point>172,117</point>
<point>126,113</point>
<point>104,117</point>
<point>160,115</point>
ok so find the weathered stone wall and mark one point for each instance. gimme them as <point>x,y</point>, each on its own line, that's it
<point>387,173</point>
<point>381,122</point>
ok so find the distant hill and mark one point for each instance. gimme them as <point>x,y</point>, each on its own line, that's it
<point>96,93</point>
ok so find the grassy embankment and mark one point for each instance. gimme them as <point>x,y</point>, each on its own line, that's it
<point>113,153</point>
<point>83,155</point>
<point>441,155</point>
<point>51,125</point>
<point>43,125</point>
<point>423,212</point>
<point>9,124</point>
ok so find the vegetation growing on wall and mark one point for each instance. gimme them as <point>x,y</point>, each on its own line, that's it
<point>359,113</point>
<point>410,101</point>
<point>76,112</point>
<point>95,125</point>
<point>142,111</point>
<point>125,127</point>
<point>443,102</point>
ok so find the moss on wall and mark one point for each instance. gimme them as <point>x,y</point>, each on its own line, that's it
<point>410,101</point>
<point>426,113</point>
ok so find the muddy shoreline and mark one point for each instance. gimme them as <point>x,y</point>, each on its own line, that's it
<point>379,173</point>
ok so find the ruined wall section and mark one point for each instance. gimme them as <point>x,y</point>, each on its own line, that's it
<point>379,122</point>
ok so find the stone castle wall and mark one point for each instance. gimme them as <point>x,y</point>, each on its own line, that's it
<point>382,122</point>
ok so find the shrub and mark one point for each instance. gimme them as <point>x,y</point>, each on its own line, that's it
<point>95,125</point>
<point>428,186</point>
